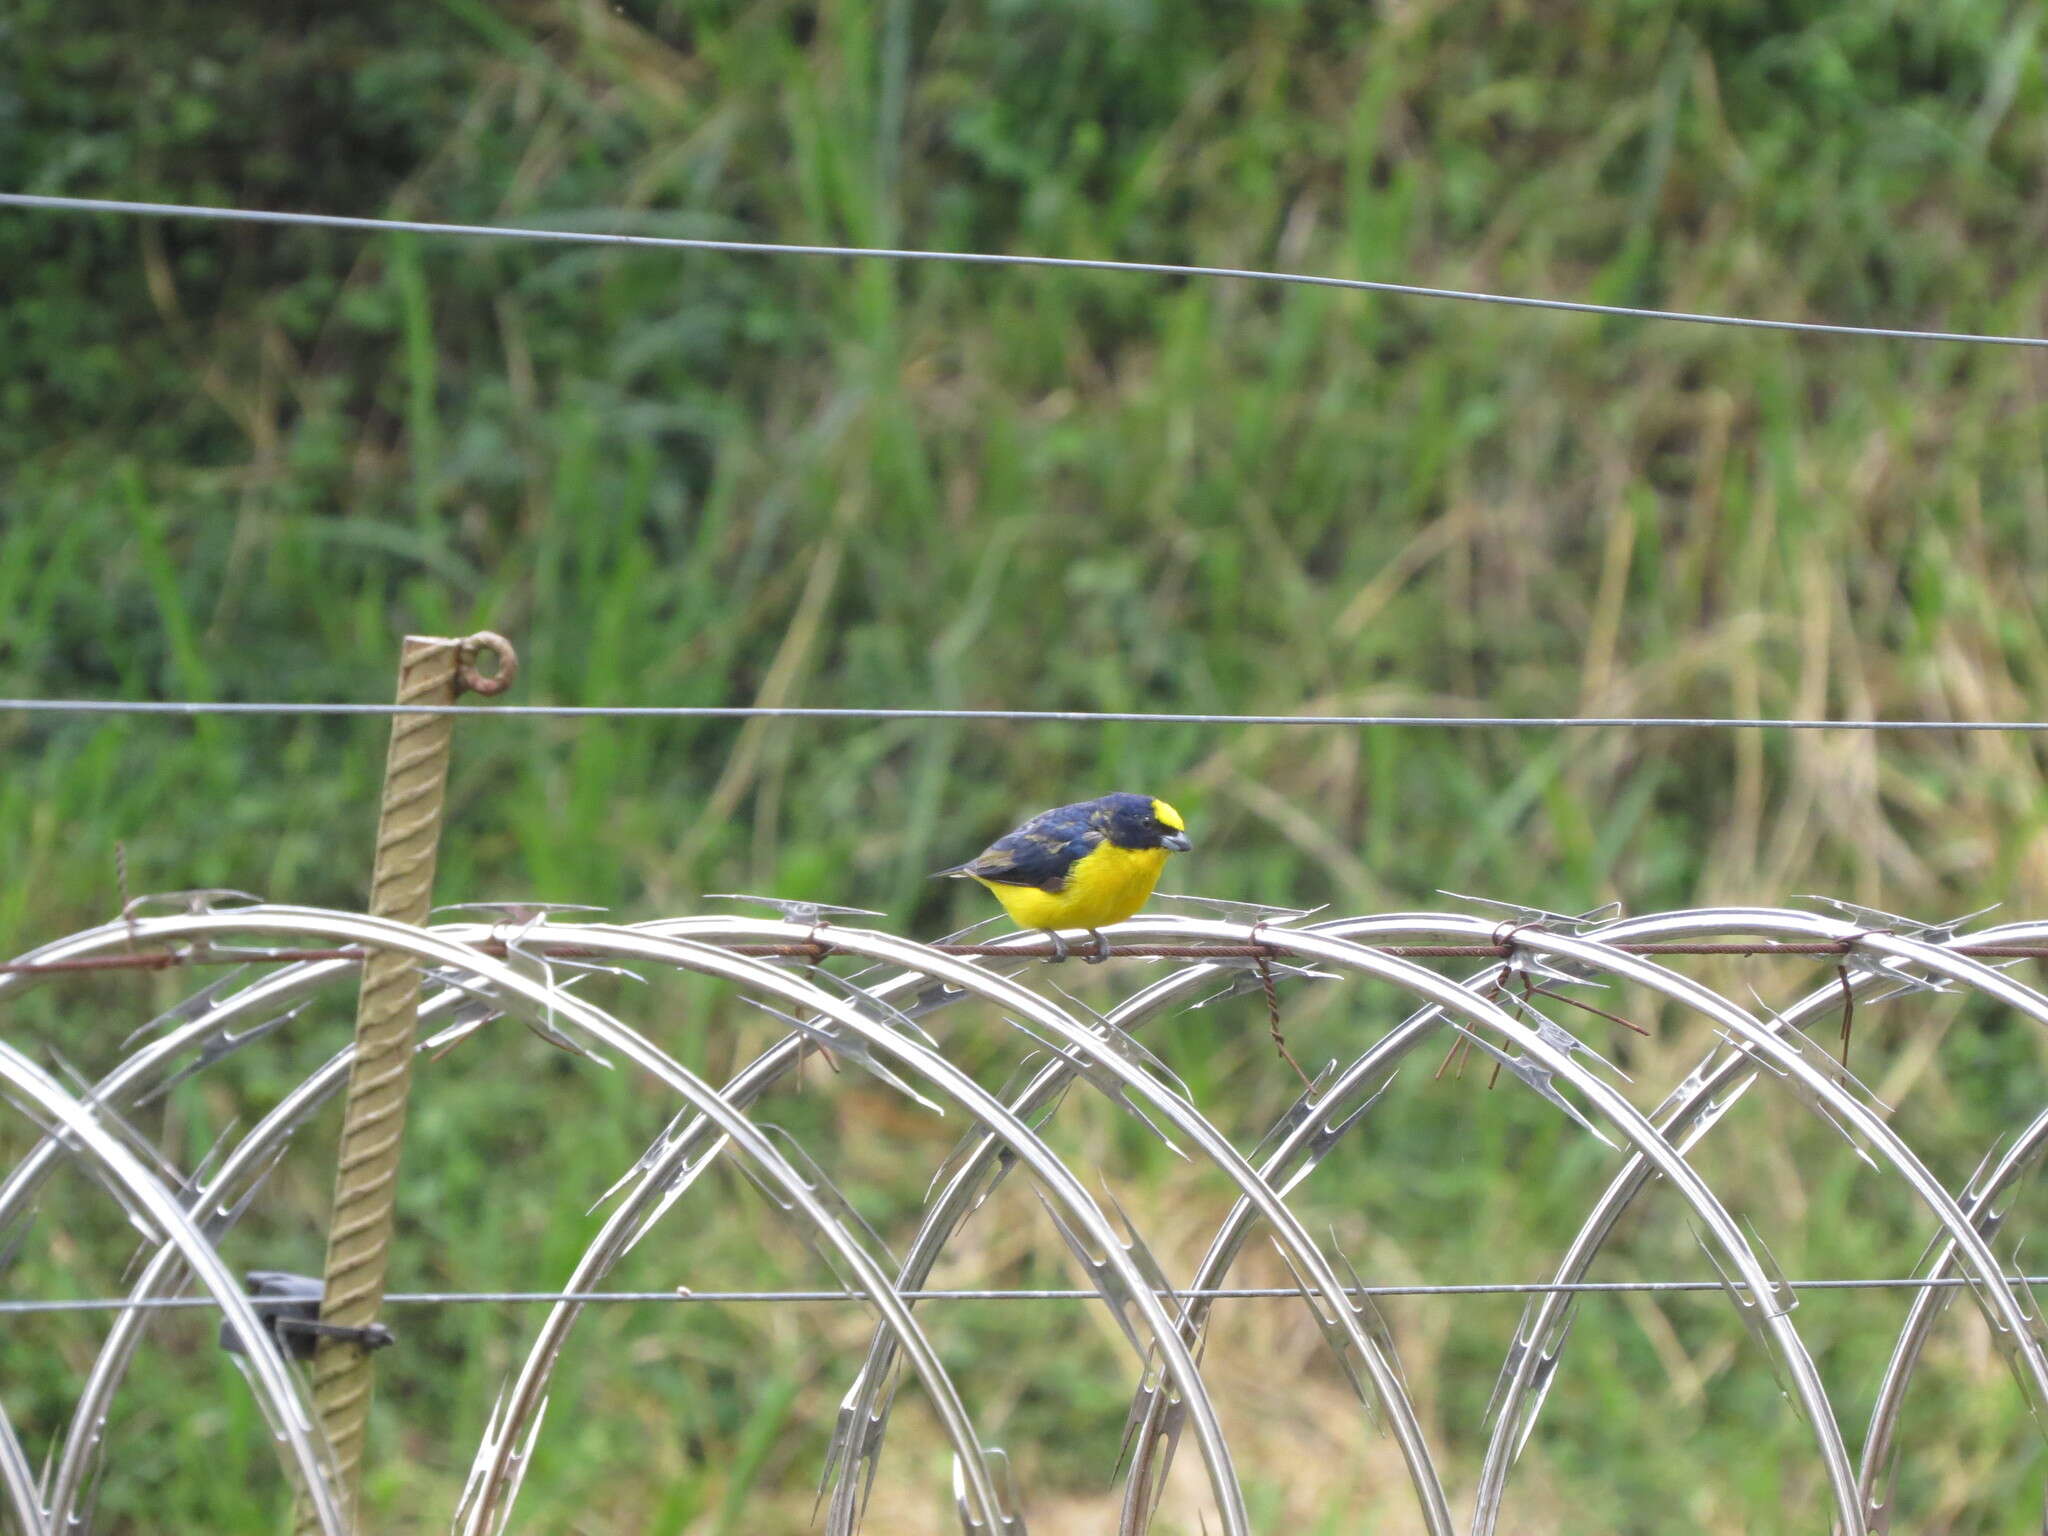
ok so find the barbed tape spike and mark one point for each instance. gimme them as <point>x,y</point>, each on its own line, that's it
<point>187,1009</point>
<point>1370,1318</point>
<point>1906,927</point>
<point>542,1025</point>
<point>1974,1187</point>
<point>1783,1297</point>
<point>1951,928</point>
<point>89,1099</point>
<point>1539,917</point>
<point>2022,1169</point>
<point>649,1156</point>
<point>1324,1138</point>
<point>1143,1259</point>
<point>520,1459</point>
<point>1823,1061</point>
<point>887,1009</point>
<point>1896,969</point>
<point>1543,1376</point>
<point>1116,1295</point>
<point>517,911</point>
<point>855,1449</point>
<point>1303,1105</point>
<point>196,902</point>
<point>1716,1109</point>
<point>1104,1079</point>
<point>918,1002</point>
<point>469,1018</point>
<point>1538,1078</point>
<point>1749,1308</point>
<point>1877,1510</point>
<point>1007,1521</point>
<point>794,909</point>
<point>2014,1270</point>
<point>1556,1036</point>
<point>1270,916</point>
<point>1689,1087</point>
<point>1151,1374</point>
<point>1142,1497</point>
<point>1322,1308</point>
<point>1248,980</point>
<point>676,1182</point>
<point>1128,1045</point>
<point>219,1221</point>
<point>1523,961</point>
<point>466,1510</point>
<point>1750,1051</point>
<point>587,967</point>
<point>218,1047</point>
<point>1809,1050</point>
<point>847,1045</point>
<point>1525,1339</point>
<point>188,1186</point>
<point>829,1194</point>
<point>520,958</point>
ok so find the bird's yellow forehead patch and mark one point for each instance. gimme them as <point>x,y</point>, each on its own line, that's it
<point>1168,816</point>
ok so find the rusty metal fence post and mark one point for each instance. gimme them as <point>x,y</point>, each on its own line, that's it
<point>432,672</point>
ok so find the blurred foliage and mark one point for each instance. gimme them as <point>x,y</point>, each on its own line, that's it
<point>237,461</point>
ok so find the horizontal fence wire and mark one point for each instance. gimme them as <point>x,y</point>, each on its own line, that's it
<point>1195,1293</point>
<point>822,948</point>
<point>126,208</point>
<point>191,707</point>
<point>111,206</point>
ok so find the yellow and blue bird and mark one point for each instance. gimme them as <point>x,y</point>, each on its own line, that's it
<point>1080,866</point>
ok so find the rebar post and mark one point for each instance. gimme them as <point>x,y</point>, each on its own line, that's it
<point>431,671</point>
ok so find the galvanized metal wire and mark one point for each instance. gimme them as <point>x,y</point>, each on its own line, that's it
<point>1509,1009</point>
<point>112,206</point>
<point>183,708</point>
<point>59,1306</point>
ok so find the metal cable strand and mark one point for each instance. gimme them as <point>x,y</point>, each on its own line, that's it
<point>983,259</point>
<point>792,1296</point>
<point>189,707</point>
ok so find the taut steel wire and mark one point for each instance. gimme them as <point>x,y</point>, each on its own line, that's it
<point>189,707</point>
<point>111,206</point>
<point>88,1304</point>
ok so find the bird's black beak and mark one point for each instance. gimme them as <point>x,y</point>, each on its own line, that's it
<point>1176,842</point>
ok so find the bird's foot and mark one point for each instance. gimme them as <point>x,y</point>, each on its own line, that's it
<point>1059,946</point>
<point>1101,949</point>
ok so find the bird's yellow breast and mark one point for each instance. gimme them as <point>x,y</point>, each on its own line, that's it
<point>1104,886</point>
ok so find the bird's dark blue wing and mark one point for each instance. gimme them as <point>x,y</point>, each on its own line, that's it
<point>1042,850</point>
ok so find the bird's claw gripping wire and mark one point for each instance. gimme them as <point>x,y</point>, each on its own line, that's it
<point>1101,949</point>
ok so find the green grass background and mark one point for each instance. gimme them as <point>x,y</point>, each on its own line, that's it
<point>238,462</point>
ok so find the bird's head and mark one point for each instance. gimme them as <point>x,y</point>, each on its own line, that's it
<point>1139,821</point>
